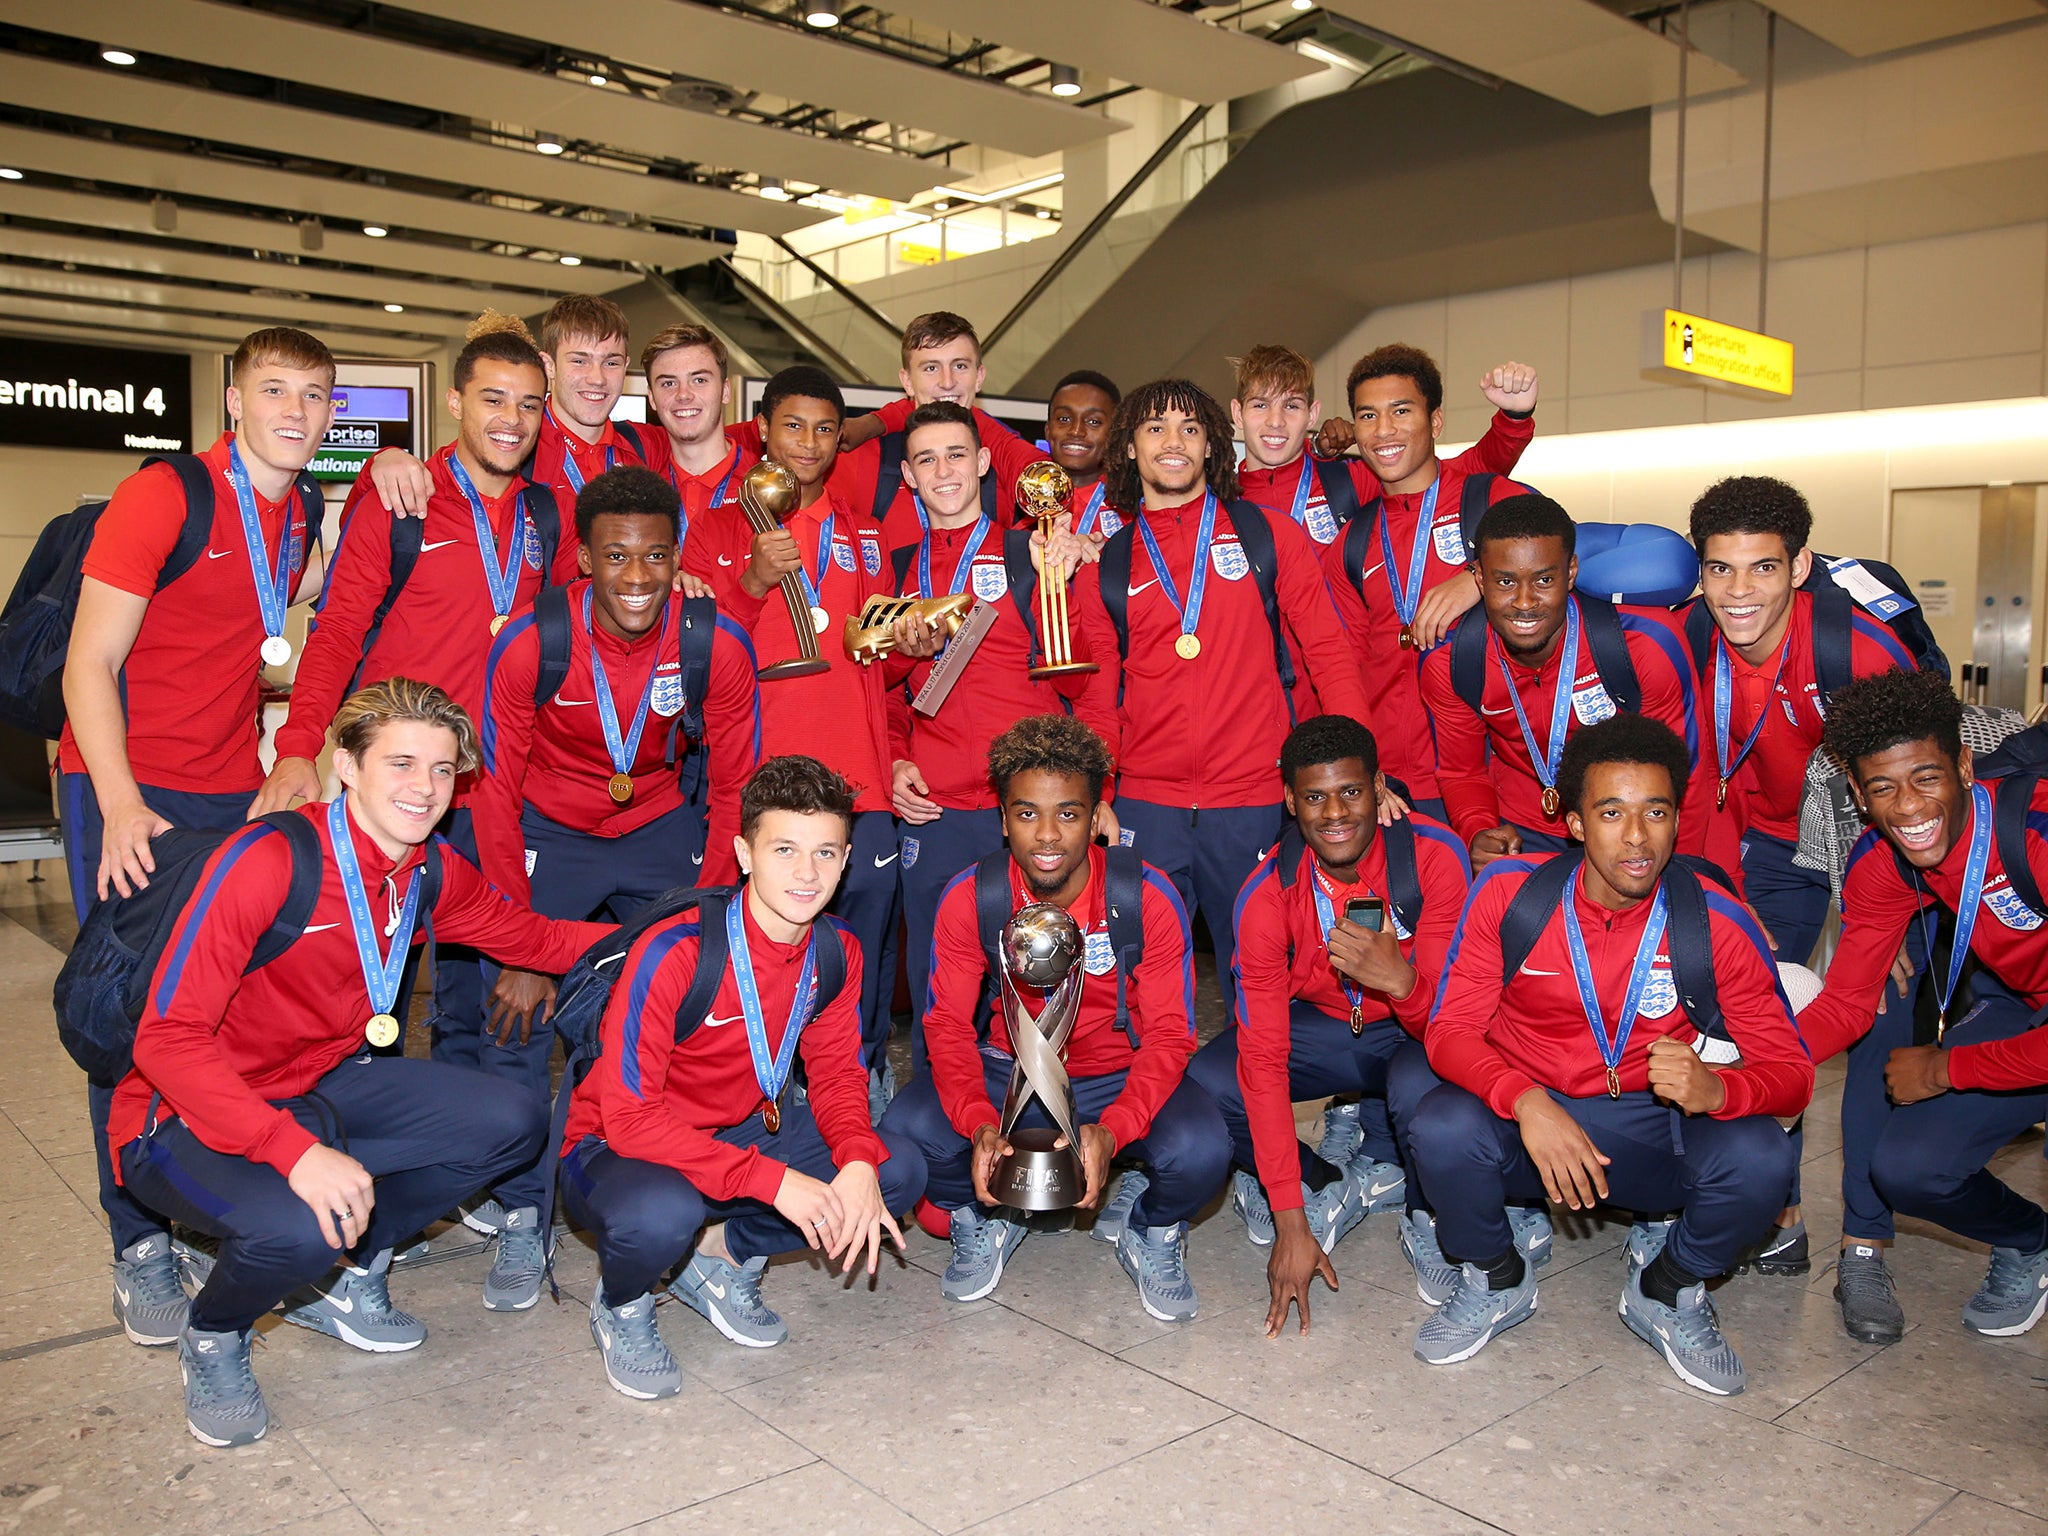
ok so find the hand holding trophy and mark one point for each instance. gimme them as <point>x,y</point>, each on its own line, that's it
<point>1042,491</point>
<point>768,493</point>
<point>1042,950</point>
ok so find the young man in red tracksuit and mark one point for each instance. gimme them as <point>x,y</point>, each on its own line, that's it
<point>160,692</point>
<point>1407,545</point>
<point>664,1132</point>
<point>1202,706</point>
<point>838,716</point>
<point>583,347</point>
<point>1569,1080</point>
<point>1761,717</point>
<point>256,1112</point>
<point>1078,414</point>
<point>940,783</point>
<point>1918,1131</point>
<point>1275,408</point>
<point>1497,762</point>
<point>1126,1057</point>
<point>1324,996</point>
<point>580,809</point>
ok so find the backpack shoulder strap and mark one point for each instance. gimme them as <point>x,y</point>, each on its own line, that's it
<point>991,496</point>
<point>888,474</point>
<point>1699,638</point>
<point>1123,892</point>
<point>1608,642</point>
<point>702,992</point>
<point>1468,658</point>
<point>1692,949</point>
<point>1340,491</point>
<point>195,478</point>
<point>2011,799</point>
<point>1530,909</point>
<point>1473,501</point>
<point>546,513</point>
<point>551,623</point>
<point>1404,878</point>
<point>1022,579</point>
<point>830,938</point>
<point>992,906</point>
<point>300,896</point>
<point>1113,573</point>
<point>1357,540</point>
<point>1833,614</point>
<point>899,559</point>
<point>699,632</point>
<point>408,534</point>
<point>1287,853</point>
<point>1255,533</point>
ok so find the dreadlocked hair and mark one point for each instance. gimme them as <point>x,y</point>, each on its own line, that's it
<point>1120,469</point>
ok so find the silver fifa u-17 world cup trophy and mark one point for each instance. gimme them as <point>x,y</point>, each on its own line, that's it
<point>1041,950</point>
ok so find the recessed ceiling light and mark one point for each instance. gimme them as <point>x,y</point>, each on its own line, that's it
<point>375,231</point>
<point>1066,80</point>
<point>547,144</point>
<point>942,206</point>
<point>598,80</point>
<point>9,173</point>
<point>821,16</point>
<point>572,261</point>
<point>1304,5</point>
<point>119,56</point>
<point>394,309</point>
<point>1045,213</point>
<point>773,190</point>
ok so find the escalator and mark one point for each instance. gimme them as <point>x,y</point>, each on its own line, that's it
<point>761,334</point>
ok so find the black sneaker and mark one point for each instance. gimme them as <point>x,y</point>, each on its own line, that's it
<point>1863,1285</point>
<point>1782,1252</point>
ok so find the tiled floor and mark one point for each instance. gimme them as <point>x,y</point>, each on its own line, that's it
<point>1054,1406</point>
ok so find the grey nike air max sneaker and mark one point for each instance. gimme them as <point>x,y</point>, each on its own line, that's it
<point>1248,1199</point>
<point>636,1361</point>
<point>1436,1276</point>
<point>513,1284</point>
<point>2013,1295</point>
<point>1473,1316</point>
<point>223,1405</point>
<point>149,1298</point>
<point>982,1245</point>
<point>729,1297</point>
<point>1156,1259</point>
<point>356,1309</point>
<point>1688,1336</point>
<point>1116,1210</point>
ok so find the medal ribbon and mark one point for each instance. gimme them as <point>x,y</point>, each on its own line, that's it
<point>1408,595</point>
<point>1546,763</point>
<point>1198,581</point>
<point>273,587</point>
<point>960,570</point>
<point>1299,511</point>
<point>570,472</point>
<point>1612,1050</point>
<point>381,973</point>
<point>814,590</point>
<point>623,753</point>
<point>1326,919</point>
<point>771,1072</point>
<point>504,583</point>
<point>1973,895</point>
<point>1086,522</point>
<point>1724,704</point>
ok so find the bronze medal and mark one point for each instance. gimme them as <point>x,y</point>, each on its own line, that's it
<point>621,787</point>
<point>1188,647</point>
<point>382,1031</point>
<point>1550,801</point>
<point>1357,1019</point>
<point>1613,1083</point>
<point>771,1115</point>
<point>1407,638</point>
<point>498,622</point>
<point>1721,795</point>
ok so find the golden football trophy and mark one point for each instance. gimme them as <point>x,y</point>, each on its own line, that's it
<point>768,493</point>
<point>1042,491</point>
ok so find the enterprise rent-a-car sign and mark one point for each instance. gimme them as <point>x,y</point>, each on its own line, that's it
<point>57,394</point>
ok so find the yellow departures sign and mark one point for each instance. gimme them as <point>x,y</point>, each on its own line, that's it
<point>1726,354</point>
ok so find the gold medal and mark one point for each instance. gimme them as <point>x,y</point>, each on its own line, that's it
<point>1357,1019</point>
<point>498,623</point>
<point>1613,1083</point>
<point>621,787</point>
<point>1721,795</point>
<point>1407,638</point>
<point>1550,800</point>
<point>382,1031</point>
<point>1188,647</point>
<point>771,1115</point>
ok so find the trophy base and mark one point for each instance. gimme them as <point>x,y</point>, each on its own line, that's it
<point>1061,669</point>
<point>801,666</point>
<point>1038,1176</point>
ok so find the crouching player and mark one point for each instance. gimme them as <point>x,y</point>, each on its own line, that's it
<point>676,1125</point>
<point>1341,936</point>
<point>1579,1077</point>
<point>256,1111</point>
<point>1128,1052</point>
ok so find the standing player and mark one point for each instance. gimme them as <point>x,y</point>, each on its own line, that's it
<point>160,690</point>
<point>1528,1105</point>
<point>1274,409</point>
<point>672,1127</point>
<point>940,784</point>
<point>1400,572</point>
<point>1127,1055</point>
<point>1498,747</point>
<point>255,1111</point>
<point>580,810</point>
<point>1941,1111</point>
<point>1078,415</point>
<point>1341,936</point>
<point>1192,578</point>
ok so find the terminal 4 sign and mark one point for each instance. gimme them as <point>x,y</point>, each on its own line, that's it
<point>1692,349</point>
<point>60,394</point>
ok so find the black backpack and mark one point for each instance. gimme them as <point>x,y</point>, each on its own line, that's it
<point>408,534</point>
<point>1834,611</point>
<point>1473,499</point>
<point>889,480</point>
<point>104,986</point>
<point>1686,928</point>
<point>1123,891</point>
<point>1340,495</point>
<point>1605,638</point>
<point>585,991</point>
<point>699,628</point>
<point>1404,883</point>
<point>1254,533</point>
<point>35,626</point>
